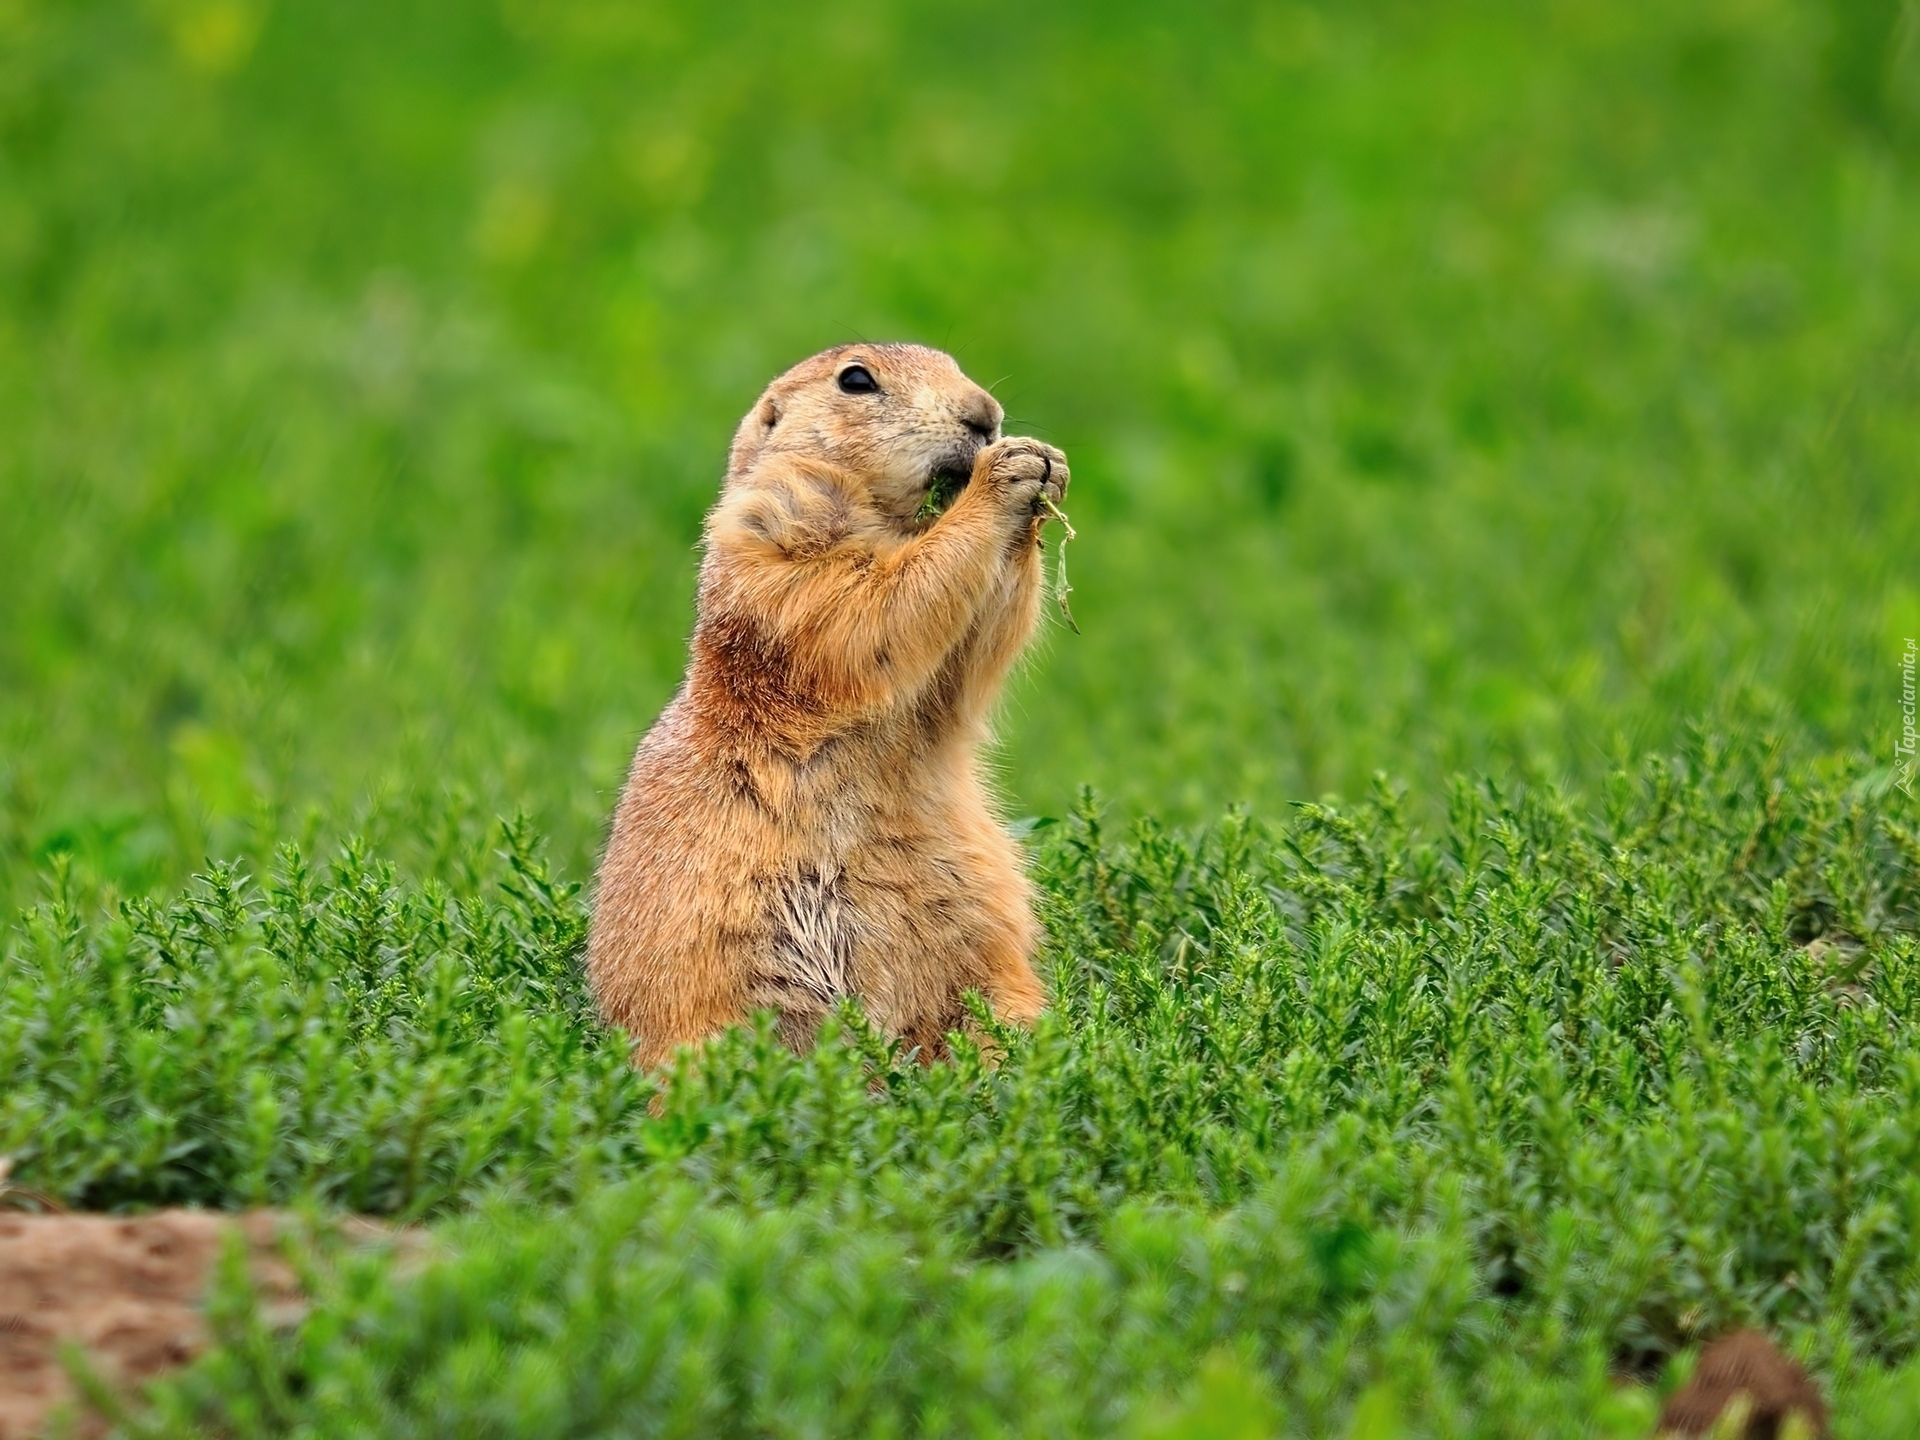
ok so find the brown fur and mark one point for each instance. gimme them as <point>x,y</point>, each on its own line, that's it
<point>1745,1363</point>
<point>806,820</point>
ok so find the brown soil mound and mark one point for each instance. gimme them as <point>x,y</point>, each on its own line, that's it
<point>1745,1366</point>
<point>126,1290</point>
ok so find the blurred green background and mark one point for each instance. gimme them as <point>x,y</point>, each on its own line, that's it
<point>1498,386</point>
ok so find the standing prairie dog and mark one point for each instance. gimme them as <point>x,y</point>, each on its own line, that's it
<point>806,820</point>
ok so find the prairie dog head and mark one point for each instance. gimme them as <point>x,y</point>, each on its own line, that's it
<point>900,418</point>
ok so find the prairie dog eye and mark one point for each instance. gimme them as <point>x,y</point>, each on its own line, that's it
<point>856,380</point>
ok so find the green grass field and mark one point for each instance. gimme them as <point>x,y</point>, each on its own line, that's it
<point>1486,965</point>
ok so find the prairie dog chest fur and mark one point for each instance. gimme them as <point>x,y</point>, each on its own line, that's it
<point>806,821</point>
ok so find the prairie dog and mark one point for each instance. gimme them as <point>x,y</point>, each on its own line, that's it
<point>806,820</point>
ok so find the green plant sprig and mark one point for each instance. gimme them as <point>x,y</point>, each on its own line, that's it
<point>941,493</point>
<point>1061,588</point>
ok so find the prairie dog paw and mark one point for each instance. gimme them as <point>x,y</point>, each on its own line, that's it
<point>1021,471</point>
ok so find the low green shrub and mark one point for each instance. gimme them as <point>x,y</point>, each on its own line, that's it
<point>647,1312</point>
<point>1649,1067</point>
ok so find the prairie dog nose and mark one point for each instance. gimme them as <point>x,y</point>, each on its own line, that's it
<point>981,413</point>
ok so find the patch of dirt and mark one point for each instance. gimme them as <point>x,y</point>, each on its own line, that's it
<point>126,1289</point>
<point>1748,1371</point>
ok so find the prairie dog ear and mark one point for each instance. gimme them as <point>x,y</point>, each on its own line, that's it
<point>751,438</point>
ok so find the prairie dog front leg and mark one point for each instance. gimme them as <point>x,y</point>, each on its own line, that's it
<point>1019,474</point>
